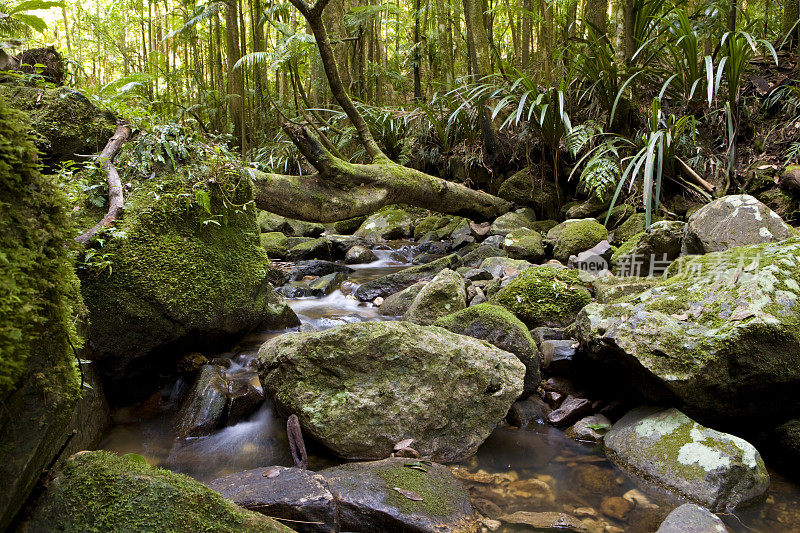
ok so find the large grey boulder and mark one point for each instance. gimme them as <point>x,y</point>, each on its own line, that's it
<point>400,495</point>
<point>398,303</point>
<point>664,447</point>
<point>500,327</point>
<point>731,221</point>
<point>720,336</point>
<point>442,295</point>
<point>361,388</point>
<point>691,518</point>
<point>524,244</point>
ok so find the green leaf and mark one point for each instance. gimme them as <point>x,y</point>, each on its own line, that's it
<point>202,197</point>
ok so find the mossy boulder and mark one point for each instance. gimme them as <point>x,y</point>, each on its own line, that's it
<point>274,243</point>
<point>572,237</point>
<point>390,223</point>
<point>398,303</point>
<point>270,222</point>
<point>633,225</point>
<point>650,253</point>
<point>732,221</point>
<point>544,296</point>
<point>361,388</point>
<point>319,248</point>
<point>500,266</point>
<point>588,208</point>
<point>40,313</point>
<point>100,491</point>
<point>475,257</point>
<point>430,223</point>
<point>720,336</point>
<point>515,220</point>
<point>501,328</point>
<point>169,281</point>
<point>63,121</point>
<point>537,193</point>
<point>664,447</point>
<point>369,497</point>
<point>442,295</point>
<point>524,244</point>
<point>347,226</point>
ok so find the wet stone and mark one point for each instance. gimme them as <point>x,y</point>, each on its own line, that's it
<point>204,407</point>
<point>558,356</point>
<point>523,412</point>
<point>691,518</point>
<point>545,522</point>
<point>570,411</point>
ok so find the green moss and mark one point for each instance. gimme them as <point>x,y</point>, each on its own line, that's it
<point>437,496</point>
<point>575,236</point>
<point>274,243</point>
<point>626,247</point>
<point>430,223</point>
<point>543,294</point>
<point>40,312</point>
<point>100,491</point>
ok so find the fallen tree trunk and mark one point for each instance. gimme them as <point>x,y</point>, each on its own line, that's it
<point>340,189</point>
<point>343,190</point>
<point>116,203</point>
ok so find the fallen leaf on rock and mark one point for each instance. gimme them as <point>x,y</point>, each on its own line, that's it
<point>410,494</point>
<point>403,444</point>
<point>271,473</point>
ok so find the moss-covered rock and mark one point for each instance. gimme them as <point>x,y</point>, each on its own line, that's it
<point>169,280</point>
<point>100,491</point>
<point>588,208</point>
<point>319,248</point>
<point>368,498</point>
<point>64,122</point>
<point>270,222</point>
<point>361,388</point>
<point>666,448</point>
<point>475,257</point>
<point>650,253</point>
<point>347,226</point>
<point>515,220</point>
<point>720,336</point>
<point>500,327</point>
<point>274,243</point>
<point>732,221</point>
<point>442,295</point>
<point>398,303</point>
<point>457,229</point>
<point>572,237</point>
<point>40,309</point>
<point>537,193</point>
<point>543,296</point>
<point>391,222</point>
<point>524,244</point>
<point>430,223</point>
<point>633,225</point>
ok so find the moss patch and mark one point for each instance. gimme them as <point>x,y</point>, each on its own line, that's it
<point>544,295</point>
<point>436,494</point>
<point>100,491</point>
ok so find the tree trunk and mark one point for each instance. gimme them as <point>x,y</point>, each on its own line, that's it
<point>789,25</point>
<point>416,56</point>
<point>595,12</point>
<point>343,190</point>
<point>235,81</point>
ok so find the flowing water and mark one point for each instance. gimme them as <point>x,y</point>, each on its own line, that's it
<point>535,469</point>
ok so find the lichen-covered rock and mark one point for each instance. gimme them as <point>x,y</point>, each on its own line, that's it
<point>539,194</point>
<point>442,295</point>
<point>294,494</point>
<point>544,295</point>
<point>515,220</point>
<point>524,244</point>
<point>400,495</point>
<point>398,303</point>
<point>720,335</point>
<point>361,388</point>
<point>167,278</point>
<point>397,281</point>
<point>64,122</point>
<point>571,237</point>
<point>500,327</point>
<point>274,243</point>
<point>389,223</point>
<point>40,309</point>
<point>650,253</point>
<point>732,221</point>
<point>666,448</point>
<point>100,491</point>
<point>500,267</point>
<point>691,518</point>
